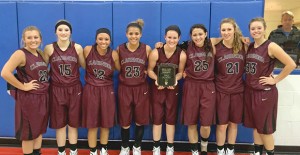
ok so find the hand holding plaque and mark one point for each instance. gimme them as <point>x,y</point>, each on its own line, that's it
<point>166,75</point>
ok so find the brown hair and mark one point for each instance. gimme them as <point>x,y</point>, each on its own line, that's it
<point>139,23</point>
<point>258,19</point>
<point>237,44</point>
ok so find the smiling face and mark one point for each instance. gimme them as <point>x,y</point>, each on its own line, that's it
<point>198,36</point>
<point>257,30</point>
<point>32,39</point>
<point>172,38</point>
<point>227,31</point>
<point>103,41</point>
<point>133,35</point>
<point>63,32</point>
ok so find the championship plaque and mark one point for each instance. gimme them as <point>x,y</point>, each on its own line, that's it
<point>166,75</point>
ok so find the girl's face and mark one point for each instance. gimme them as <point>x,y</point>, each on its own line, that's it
<point>63,32</point>
<point>32,39</point>
<point>257,30</point>
<point>198,36</point>
<point>133,35</point>
<point>103,40</point>
<point>172,38</point>
<point>227,31</point>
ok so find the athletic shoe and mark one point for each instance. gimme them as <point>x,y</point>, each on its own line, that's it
<point>61,153</point>
<point>93,153</point>
<point>156,150</point>
<point>195,152</point>
<point>73,152</point>
<point>229,152</point>
<point>170,150</point>
<point>136,150</point>
<point>103,151</point>
<point>124,151</point>
<point>257,153</point>
<point>221,152</point>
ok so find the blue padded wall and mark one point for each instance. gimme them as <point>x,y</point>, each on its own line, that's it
<point>9,44</point>
<point>86,18</point>
<point>242,12</point>
<point>184,15</point>
<point>43,15</point>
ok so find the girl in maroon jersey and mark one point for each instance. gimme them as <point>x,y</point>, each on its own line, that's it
<point>230,62</point>
<point>199,95</point>
<point>65,58</point>
<point>98,93</point>
<point>261,95</point>
<point>31,110</point>
<point>133,90</point>
<point>165,100</point>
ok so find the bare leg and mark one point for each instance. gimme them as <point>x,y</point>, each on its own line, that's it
<point>170,130</point>
<point>157,132</point>
<point>92,137</point>
<point>61,136</point>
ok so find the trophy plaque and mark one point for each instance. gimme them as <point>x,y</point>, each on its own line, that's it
<point>166,75</point>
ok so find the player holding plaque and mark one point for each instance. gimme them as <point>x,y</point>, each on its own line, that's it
<point>163,64</point>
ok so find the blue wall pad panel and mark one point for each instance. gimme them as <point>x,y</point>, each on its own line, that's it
<point>242,12</point>
<point>124,13</point>
<point>9,44</point>
<point>43,15</point>
<point>86,18</point>
<point>184,15</point>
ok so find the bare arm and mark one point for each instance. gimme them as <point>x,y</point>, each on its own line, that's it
<point>277,52</point>
<point>153,57</point>
<point>48,51</point>
<point>115,56</point>
<point>79,51</point>
<point>181,65</point>
<point>86,51</point>
<point>17,60</point>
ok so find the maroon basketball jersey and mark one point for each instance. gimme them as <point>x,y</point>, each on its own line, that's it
<point>34,69</point>
<point>99,68</point>
<point>199,66</point>
<point>229,69</point>
<point>258,63</point>
<point>173,60</point>
<point>133,65</point>
<point>65,65</point>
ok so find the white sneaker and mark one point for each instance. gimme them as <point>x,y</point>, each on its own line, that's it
<point>195,152</point>
<point>229,152</point>
<point>170,150</point>
<point>156,150</point>
<point>124,151</point>
<point>221,152</point>
<point>61,153</point>
<point>73,152</point>
<point>93,153</point>
<point>257,153</point>
<point>136,150</point>
<point>103,151</point>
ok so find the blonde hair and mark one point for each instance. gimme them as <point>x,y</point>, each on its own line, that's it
<point>30,28</point>
<point>237,44</point>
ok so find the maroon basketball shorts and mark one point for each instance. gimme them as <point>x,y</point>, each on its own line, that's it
<point>98,106</point>
<point>261,109</point>
<point>164,106</point>
<point>229,108</point>
<point>31,115</point>
<point>65,106</point>
<point>198,103</point>
<point>134,104</point>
